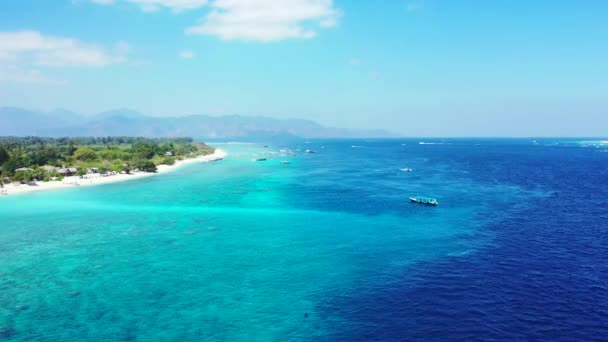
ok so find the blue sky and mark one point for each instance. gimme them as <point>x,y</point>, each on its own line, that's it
<point>422,68</point>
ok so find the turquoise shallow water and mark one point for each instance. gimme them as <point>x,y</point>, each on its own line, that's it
<point>233,250</point>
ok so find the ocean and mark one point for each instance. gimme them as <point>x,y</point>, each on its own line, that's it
<point>325,248</point>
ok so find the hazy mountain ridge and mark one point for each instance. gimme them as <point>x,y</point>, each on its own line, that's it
<point>125,122</point>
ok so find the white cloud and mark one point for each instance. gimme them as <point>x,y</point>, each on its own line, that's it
<point>267,20</point>
<point>155,5</point>
<point>252,20</point>
<point>186,54</point>
<point>22,53</point>
<point>33,48</point>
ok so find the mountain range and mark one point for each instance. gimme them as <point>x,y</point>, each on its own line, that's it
<point>125,122</point>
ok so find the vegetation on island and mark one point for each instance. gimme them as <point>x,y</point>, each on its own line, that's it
<point>26,159</point>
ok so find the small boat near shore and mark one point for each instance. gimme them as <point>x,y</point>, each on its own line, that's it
<point>424,200</point>
<point>261,159</point>
<point>406,169</point>
<point>285,162</point>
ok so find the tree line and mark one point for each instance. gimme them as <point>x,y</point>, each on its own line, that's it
<point>26,159</point>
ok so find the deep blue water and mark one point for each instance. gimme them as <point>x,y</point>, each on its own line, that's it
<point>326,248</point>
<point>543,275</point>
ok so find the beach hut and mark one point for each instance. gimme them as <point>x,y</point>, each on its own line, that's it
<point>67,171</point>
<point>23,169</point>
<point>168,154</point>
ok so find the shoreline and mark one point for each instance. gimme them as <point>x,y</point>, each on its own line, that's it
<point>76,181</point>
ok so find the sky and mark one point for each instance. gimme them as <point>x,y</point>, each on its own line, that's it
<point>419,68</point>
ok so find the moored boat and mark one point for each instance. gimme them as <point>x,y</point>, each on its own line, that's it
<point>424,200</point>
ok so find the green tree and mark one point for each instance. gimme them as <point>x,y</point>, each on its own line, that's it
<point>23,176</point>
<point>144,149</point>
<point>43,155</point>
<point>71,148</point>
<point>4,156</point>
<point>37,173</point>
<point>85,154</point>
<point>145,165</point>
<point>118,168</point>
<point>11,165</point>
<point>168,161</point>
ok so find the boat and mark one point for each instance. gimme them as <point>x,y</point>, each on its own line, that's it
<point>310,151</point>
<point>285,162</point>
<point>424,200</point>
<point>406,169</point>
<point>261,159</point>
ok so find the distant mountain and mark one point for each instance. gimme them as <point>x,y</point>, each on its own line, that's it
<point>125,122</point>
<point>19,122</point>
<point>122,113</point>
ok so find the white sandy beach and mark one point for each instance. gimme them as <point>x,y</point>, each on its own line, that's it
<point>67,182</point>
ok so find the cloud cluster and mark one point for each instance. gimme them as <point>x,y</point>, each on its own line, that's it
<point>23,51</point>
<point>34,48</point>
<point>251,20</point>
<point>266,20</point>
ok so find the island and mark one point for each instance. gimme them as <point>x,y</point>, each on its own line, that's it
<point>36,163</point>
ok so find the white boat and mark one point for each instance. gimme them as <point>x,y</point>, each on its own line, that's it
<point>424,200</point>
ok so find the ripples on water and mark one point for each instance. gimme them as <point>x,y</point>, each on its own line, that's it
<point>326,248</point>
